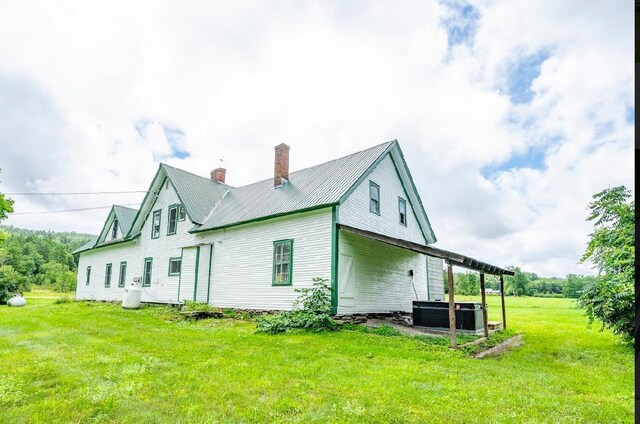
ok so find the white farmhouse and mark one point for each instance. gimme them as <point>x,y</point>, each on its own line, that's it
<point>250,247</point>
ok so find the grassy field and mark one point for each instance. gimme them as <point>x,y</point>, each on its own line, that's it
<point>95,362</point>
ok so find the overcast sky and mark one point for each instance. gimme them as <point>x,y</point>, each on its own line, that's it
<point>511,114</point>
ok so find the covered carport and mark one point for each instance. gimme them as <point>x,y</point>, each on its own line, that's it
<point>451,259</point>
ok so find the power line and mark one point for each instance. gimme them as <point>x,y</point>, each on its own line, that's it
<point>71,210</point>
<point>73,193</point>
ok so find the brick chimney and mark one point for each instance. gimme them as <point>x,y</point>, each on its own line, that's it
<point>218,175</point>
<point>281,165</point>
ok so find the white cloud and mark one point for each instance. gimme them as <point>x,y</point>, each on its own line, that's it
<point>240,77</point>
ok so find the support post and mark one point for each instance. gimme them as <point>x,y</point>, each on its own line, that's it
<point>485,325</point>
<point>452,310</point>
<point>504,315</point>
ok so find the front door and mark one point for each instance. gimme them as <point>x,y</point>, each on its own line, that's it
<point>346,277</point>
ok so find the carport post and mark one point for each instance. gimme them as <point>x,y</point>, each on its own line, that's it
<point>452,310</point>
<point>484,306</point>
<point>504,315</point>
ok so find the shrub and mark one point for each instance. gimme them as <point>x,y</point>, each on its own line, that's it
<point>313,315</point>
<point>11,282</point>
<point>190,305</point>
<point>64,299</point>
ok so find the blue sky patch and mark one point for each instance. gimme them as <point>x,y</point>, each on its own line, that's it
<point>174,137</point>
<point>532,158</point>
<point>462,24</point>
<point>604,128</point>
<point>630,115</point>
<point>520,75</point>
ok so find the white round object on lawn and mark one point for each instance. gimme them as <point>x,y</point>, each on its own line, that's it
<point>17,300</point>
<point>132,297</point>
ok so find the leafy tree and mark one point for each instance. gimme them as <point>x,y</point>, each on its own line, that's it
<point>11,282</point>
<point>518,284</point>
<point>575,284</point>
<point>610,298</point>
<point>6,207</point>
<point>466,283</point>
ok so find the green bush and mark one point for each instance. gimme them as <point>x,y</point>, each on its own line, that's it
<point>190,305</point>
<point>314,314</point>
<point>11,282</point>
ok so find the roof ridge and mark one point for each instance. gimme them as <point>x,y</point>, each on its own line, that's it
<point>195,175</point>
<point>323,163</point>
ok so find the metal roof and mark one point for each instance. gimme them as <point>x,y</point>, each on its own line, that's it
<point>125,217</point>
<point>453,258</point>
<point>197,194</point>
<point>88,245</point>
<point>308,188</point>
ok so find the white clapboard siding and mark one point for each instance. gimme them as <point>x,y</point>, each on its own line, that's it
<point>97,259</point>
<point>164,288</point>
<point>382,280</point>
<point>436,282</point>
<point>203,274</point>
<point>242,263</point>
<point>354,211</point>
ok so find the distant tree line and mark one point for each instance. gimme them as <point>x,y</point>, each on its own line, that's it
<point>37,257</point>
<point>522,284</point>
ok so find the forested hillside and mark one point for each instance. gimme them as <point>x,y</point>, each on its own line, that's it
<point>37,257</point>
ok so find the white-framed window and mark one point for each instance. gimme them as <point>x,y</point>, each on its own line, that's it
<point>155,224</point>
<point>146,277</point>
<point>402,211</point>
<point>374,198</point>
<point>172,224</point>
<point>107,275</point>
<point>175,265</point>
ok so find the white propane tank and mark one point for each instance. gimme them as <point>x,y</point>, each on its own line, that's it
<point>132,296</point>
<point>17,300</point>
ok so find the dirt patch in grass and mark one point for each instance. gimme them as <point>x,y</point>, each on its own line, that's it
<point>500,348</point>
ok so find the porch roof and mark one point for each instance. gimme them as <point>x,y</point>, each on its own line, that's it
<point>453,258</point>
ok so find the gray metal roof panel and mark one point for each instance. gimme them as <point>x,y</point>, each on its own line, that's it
<point>125,217</point>
<point>318,185</point>
<point>198,194</point>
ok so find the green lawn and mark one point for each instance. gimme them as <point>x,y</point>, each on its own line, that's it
<point>83,362</point>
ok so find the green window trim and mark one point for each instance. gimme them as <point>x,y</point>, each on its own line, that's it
<point>123,274</point>
<point>146,282</point>
<point>402,216</point>
<point>155,229</point>
<point>374,203</point>
<point>274,279</point>
<point>107,274</point>
<point>88,276</point>
<point>177,259</point>
<point>175,209</point>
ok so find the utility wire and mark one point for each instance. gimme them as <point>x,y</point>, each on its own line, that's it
<point>68,193</point>
<point>71,210</point>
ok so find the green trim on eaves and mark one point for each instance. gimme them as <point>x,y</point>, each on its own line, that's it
<point>110,244</point>
<point>334,259</point>
<point>406,193</point>
<point>404,163</point>
<point>263,218</point>
<point>195,279</point>
<point>366,173</point>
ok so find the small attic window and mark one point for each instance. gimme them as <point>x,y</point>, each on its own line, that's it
<point>182,214</point>
<point>114,230</point>
<point>374,198</point>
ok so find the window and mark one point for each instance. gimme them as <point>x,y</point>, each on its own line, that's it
<point>155,224</point>
<point>374,198</point>
<point>172,225</point>
<point>282,262</point>
<point>88,275</point>
<point>107,275</point>
<point>114,230</point>
<point>174,266</point>
<point>146,278</point>
<point>182,214</point>
<point>402,211</point>
<point>123,274</point>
